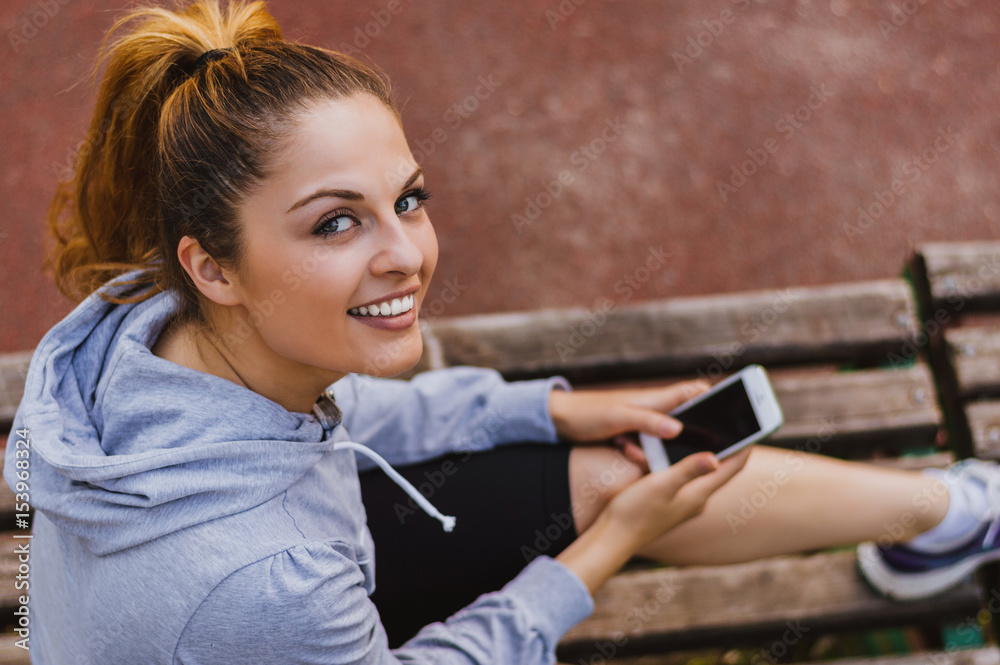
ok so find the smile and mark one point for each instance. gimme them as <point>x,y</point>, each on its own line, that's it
<point>392,307</point>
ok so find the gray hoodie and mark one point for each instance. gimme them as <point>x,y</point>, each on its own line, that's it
<point>181,518</point>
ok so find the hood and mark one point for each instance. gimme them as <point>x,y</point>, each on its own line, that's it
<point>127,447</point>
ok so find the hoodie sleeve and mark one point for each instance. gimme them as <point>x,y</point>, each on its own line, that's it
<point>457,409</point>
<point>307,606</point>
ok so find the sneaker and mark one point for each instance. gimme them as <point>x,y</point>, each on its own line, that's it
<point>901,572</point>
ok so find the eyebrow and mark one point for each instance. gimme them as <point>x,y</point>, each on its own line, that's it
<point>347,194</point>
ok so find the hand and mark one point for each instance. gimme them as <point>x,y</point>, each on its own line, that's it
<point>595,415</point>
<point>645,510</point>
<point>660,501</point>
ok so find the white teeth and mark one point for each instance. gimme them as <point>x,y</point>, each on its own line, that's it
<point>392,307</point>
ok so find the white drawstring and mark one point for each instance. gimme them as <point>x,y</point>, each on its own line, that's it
<point>446,520</point>
<point>329,416</point>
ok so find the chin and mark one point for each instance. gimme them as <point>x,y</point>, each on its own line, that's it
<point>394,359</point>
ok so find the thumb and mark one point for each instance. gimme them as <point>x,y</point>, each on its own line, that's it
<point>689,468</point>
<point>650,421</point>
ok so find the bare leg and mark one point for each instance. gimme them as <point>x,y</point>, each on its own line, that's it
<point>783,501</point>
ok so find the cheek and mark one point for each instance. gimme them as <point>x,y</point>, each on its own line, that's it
<point>429,246</point>
<point>268,264</point>
<point>325,284</point>
<point>303,302</point>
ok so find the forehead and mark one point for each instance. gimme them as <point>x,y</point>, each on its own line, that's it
<point>352,141</point>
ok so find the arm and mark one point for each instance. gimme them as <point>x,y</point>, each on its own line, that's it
<point>458,409</point>
<point>307,605</point>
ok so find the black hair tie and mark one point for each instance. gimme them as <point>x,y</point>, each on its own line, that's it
<point>208,56</point>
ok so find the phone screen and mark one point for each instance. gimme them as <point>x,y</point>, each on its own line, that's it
<point>715,423</point>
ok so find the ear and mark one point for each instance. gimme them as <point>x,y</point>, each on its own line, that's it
<point>207,275</point>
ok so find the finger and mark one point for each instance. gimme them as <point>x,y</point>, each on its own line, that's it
<point>631,449</point>
<point>688,470</point>
<point>666,398</point>
<point>733,464</point>
<point>704,486</point>
<point>621,440</point>
<point>635,453</point>
<point>632,418</point>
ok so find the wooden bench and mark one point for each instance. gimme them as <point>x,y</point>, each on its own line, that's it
<point>887,403</point>
<point>845,365</point>
<point>959,286</point>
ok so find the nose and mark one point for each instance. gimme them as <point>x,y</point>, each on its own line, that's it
<point>397,249</point>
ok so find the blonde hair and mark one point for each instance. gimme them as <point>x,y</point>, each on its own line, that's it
<point>173,148</point>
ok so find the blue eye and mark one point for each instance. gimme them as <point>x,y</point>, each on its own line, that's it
<point>339,223</point>
<point>412,200</point>
<point>407,204</point>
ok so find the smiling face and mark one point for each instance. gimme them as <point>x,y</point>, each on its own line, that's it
<point>338,228</point>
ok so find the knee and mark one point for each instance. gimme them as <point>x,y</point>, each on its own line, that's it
<point>597,474</point>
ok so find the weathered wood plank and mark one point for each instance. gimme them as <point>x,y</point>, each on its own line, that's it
<point>6,504</point>
<point>984,656</point>
<point>677,608</point>
<point>13,370</point>
<point>974,352</point>
<point>842,411</point>
<point>962,276</point>
<point>984,422</point>
<point>887,406</point>
<point>712,335</point>
<point>11,654</point>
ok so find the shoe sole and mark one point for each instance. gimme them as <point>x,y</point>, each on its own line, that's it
<point>914,586</point>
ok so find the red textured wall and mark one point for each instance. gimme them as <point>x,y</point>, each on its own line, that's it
<point>567,142</point>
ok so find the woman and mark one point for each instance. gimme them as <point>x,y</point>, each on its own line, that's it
<point>249,229</point>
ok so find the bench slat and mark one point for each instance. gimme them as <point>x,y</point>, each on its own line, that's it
<point>984,656</point>
<point>678,608</point>
<point>966,273</point>
<point>13,370</point>
<point>974,352</point>
<point>715,334</point>
<point>6,502</point>
<point>10,653</point>
<point>844,411</point>
<point>984,422</point>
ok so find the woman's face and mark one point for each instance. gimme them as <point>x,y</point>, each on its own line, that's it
<point>338,229</point>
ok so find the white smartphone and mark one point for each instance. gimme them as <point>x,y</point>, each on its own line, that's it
<point>731,415</point>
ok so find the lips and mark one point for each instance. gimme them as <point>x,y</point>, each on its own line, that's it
<point>394,311</point>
